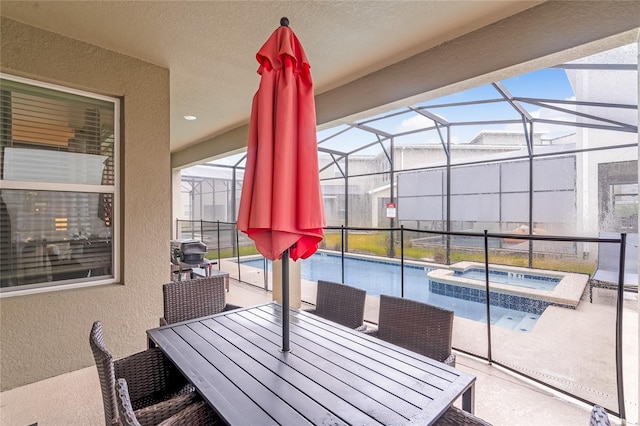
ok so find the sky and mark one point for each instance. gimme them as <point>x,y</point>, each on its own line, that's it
<point>549,83</point>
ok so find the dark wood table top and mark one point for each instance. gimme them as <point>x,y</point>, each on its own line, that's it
<point>331,376</point>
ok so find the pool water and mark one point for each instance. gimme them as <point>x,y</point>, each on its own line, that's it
<point>517,279</point>
<point>383,277</point>
<point>376,277</point>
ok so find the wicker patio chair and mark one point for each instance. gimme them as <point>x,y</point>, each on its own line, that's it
<point>417,326</point>
<point>599,416</point>
<point>457,417</point>
<point>194,414</point>
<point>340,303</point>
<point>156,386</point>
<point>185,300</point>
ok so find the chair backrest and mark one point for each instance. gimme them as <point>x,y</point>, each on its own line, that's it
<point>599,416</point>
<point>106,373</point>
<point>340,303</point>
<point>609,254</point>
<point>191,414</point>
<point>125,410</point>
<point>185,300</point>
<point>417,326</point>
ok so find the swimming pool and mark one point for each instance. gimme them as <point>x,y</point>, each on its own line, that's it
<point>383,277</point>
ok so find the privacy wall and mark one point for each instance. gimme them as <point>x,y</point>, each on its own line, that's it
<point>493,193</point>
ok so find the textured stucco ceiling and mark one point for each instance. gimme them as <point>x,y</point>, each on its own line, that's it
<point>210,46</point>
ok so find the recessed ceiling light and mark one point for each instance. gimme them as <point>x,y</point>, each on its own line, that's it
<point>190,117</point>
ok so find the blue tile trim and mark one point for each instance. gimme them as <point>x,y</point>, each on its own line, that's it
<point>510,301</point>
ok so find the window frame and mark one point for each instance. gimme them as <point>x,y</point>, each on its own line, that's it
<point>116,238</point>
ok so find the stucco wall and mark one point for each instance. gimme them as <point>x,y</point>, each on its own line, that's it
<point>47,334</point>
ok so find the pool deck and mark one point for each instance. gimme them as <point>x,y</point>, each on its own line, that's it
<point>566,293</point>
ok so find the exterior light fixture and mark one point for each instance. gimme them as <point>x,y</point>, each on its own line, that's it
<point>190,117</point>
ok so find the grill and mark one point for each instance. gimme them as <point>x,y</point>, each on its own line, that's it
<point>187,251</point>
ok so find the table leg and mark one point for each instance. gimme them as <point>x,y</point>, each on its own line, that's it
<point>469,399</point>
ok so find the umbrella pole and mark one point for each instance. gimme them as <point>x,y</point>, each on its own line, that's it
<point>284,21</point>
<point>285,301</point>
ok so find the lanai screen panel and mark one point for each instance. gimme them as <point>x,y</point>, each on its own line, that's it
<point>475,193</point>
<point>514,181</point>
<point>421,195</point>
<point>554,182</point>
<point>493,192</point>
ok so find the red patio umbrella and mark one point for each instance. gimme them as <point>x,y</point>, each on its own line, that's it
<point>281,204</point>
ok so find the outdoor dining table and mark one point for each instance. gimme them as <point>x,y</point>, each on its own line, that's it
<point>332,374</point>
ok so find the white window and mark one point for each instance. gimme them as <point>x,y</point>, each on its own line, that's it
<point>59,198</point>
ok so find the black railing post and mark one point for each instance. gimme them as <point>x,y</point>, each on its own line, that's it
<point>234,241</point>
<point>401,260</point>
<point>342,250</point>
<point>238,253</point>
<point>623,247</point>
<point>218,239</point>
<point>486,278</point>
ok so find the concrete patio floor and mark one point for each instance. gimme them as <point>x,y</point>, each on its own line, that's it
<point>501,397</point>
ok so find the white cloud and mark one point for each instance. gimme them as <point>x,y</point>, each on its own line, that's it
<point>414,123</point>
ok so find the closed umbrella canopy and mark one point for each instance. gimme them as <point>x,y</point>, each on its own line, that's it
<point>281,203</point>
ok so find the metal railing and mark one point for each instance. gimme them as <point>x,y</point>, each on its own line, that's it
<point>223,238</point>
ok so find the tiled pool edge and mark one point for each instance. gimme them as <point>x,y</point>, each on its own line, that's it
<point>503,300</point>
<point>567,293</point>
